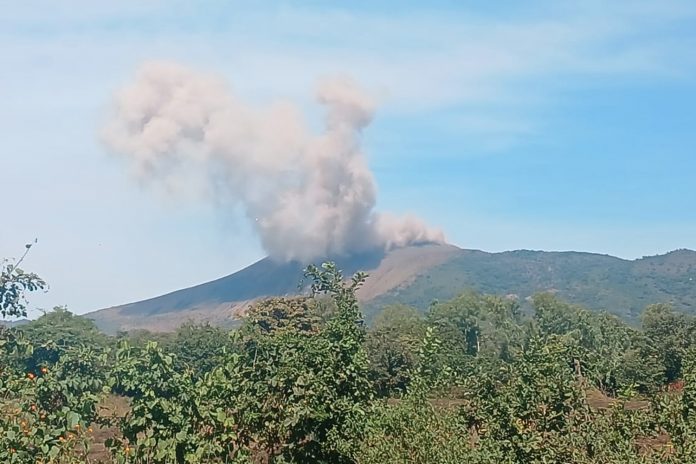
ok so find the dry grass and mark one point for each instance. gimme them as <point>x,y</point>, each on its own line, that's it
<point>598,400</point>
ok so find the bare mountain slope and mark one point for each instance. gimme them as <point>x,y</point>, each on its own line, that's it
<point>223,300</point>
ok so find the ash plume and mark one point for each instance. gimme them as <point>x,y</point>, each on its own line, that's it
<point>308,195</point>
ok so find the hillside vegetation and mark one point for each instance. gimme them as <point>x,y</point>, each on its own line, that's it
<point>598,282</point>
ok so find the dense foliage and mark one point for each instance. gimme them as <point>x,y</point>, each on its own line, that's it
<point>475,379</point>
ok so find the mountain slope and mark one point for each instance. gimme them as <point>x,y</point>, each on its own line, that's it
<point>16,323</point>
<point>599,282</point>
<point>417,275</point>
<point>221,301</point>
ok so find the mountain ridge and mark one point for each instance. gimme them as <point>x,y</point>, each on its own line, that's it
<point>417,275</point>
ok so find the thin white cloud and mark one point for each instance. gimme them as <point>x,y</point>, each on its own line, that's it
<point>417,62</point>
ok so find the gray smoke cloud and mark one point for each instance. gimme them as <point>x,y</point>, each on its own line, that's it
<point>308,195</point>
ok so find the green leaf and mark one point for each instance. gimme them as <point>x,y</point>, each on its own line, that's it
<point>72,419</point>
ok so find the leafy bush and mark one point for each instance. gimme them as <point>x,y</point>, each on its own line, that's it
<point>46,414</point>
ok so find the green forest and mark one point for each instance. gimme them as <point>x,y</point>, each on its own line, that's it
<point>476,379</point>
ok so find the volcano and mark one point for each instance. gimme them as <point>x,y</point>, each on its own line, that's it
<point>224,301</point>
<point>420,274</point>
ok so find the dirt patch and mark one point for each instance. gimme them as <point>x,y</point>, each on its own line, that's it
<point>660,444</point>
<point>598,400</point>
<point>112,406</point>
<point>401,266</point>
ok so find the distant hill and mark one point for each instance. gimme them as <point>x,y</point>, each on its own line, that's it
<point>417,275</point>
<point>600,282</point>
<point>16,323</point>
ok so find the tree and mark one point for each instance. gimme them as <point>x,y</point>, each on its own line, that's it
<point>290,390</point>
<point>284,314</point>
<point>616,358</point>
<point>57,331</point>
<point>459,322</point>
<point>475,324</point>
<point>15,283</point>
<point>392,345</point>
<point>671,333</point>
<point>199,348</point>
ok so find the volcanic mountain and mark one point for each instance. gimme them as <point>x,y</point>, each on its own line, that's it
<point>222,301</point>
<point>418,275</point>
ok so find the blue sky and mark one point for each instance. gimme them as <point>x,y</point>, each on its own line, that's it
<point>538,125</point>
